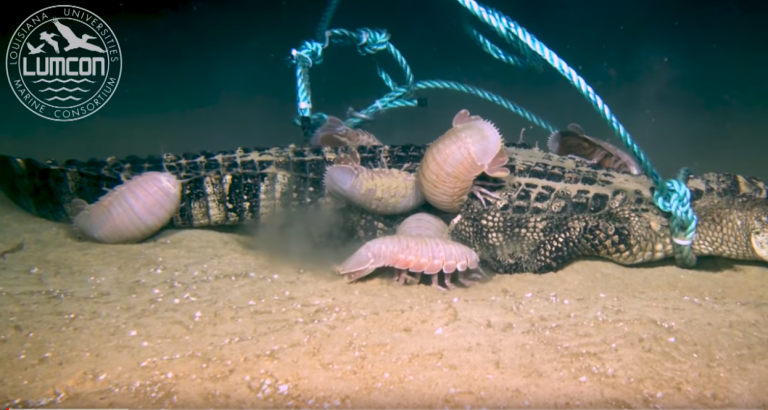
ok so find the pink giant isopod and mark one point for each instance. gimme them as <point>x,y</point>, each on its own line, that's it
<point>383,191</point>
<point>335,134</point>
<point>131,212</point>
<point>450,165</point>
<point>427,250</point>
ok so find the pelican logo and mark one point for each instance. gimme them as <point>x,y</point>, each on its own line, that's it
<point>63,63</point>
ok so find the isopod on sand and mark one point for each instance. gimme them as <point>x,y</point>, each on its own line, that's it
<point>450,165</point>
<point>335,134</point>
<point>131,212</point>
<point>420,246</point>
<point>383,191</point>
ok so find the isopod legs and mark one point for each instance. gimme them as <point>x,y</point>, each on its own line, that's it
<point>402,277</point>
<point>462,278</point>
<point>448,284</point>
<point>481,193</point>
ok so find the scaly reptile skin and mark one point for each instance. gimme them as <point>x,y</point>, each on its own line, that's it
<point>553,209</point>
<point>225,188</point>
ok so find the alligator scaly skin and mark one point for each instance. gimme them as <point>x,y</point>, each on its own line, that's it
<point>553,209</point>
<point>224,188</point>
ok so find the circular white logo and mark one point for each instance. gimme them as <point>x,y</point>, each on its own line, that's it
<point>63,63</point>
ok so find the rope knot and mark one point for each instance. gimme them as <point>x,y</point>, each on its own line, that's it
<point>372,41</point>
<point>311,51</point>
<point>674,197</point>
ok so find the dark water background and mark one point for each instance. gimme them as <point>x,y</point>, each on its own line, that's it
<point>686,78</point>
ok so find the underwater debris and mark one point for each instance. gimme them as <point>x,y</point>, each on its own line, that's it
<point>16,248</point>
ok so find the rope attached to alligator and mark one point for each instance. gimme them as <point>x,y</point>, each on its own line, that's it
<point>671,196</point>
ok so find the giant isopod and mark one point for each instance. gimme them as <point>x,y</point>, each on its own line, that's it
<point>421,245</point>
<point>450,165</point>
<point>131,212</point>
<point>383,191</point>
<point>335,134</point>
<point>574,141</point>
<point>423,224</point>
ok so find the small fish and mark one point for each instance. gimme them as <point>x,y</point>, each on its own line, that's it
<point>335,134</point>
<point>575,142</point>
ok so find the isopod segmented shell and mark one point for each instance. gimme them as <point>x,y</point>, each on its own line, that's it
<point>413,253</point>
<point>382,191</point>
<point>423,224</point>
<point>451,164</point>
<point>131,212</point>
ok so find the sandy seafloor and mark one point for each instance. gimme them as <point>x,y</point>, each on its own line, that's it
<point>202,318</point>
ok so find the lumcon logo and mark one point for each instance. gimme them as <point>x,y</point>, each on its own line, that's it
<point>63,63</point>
